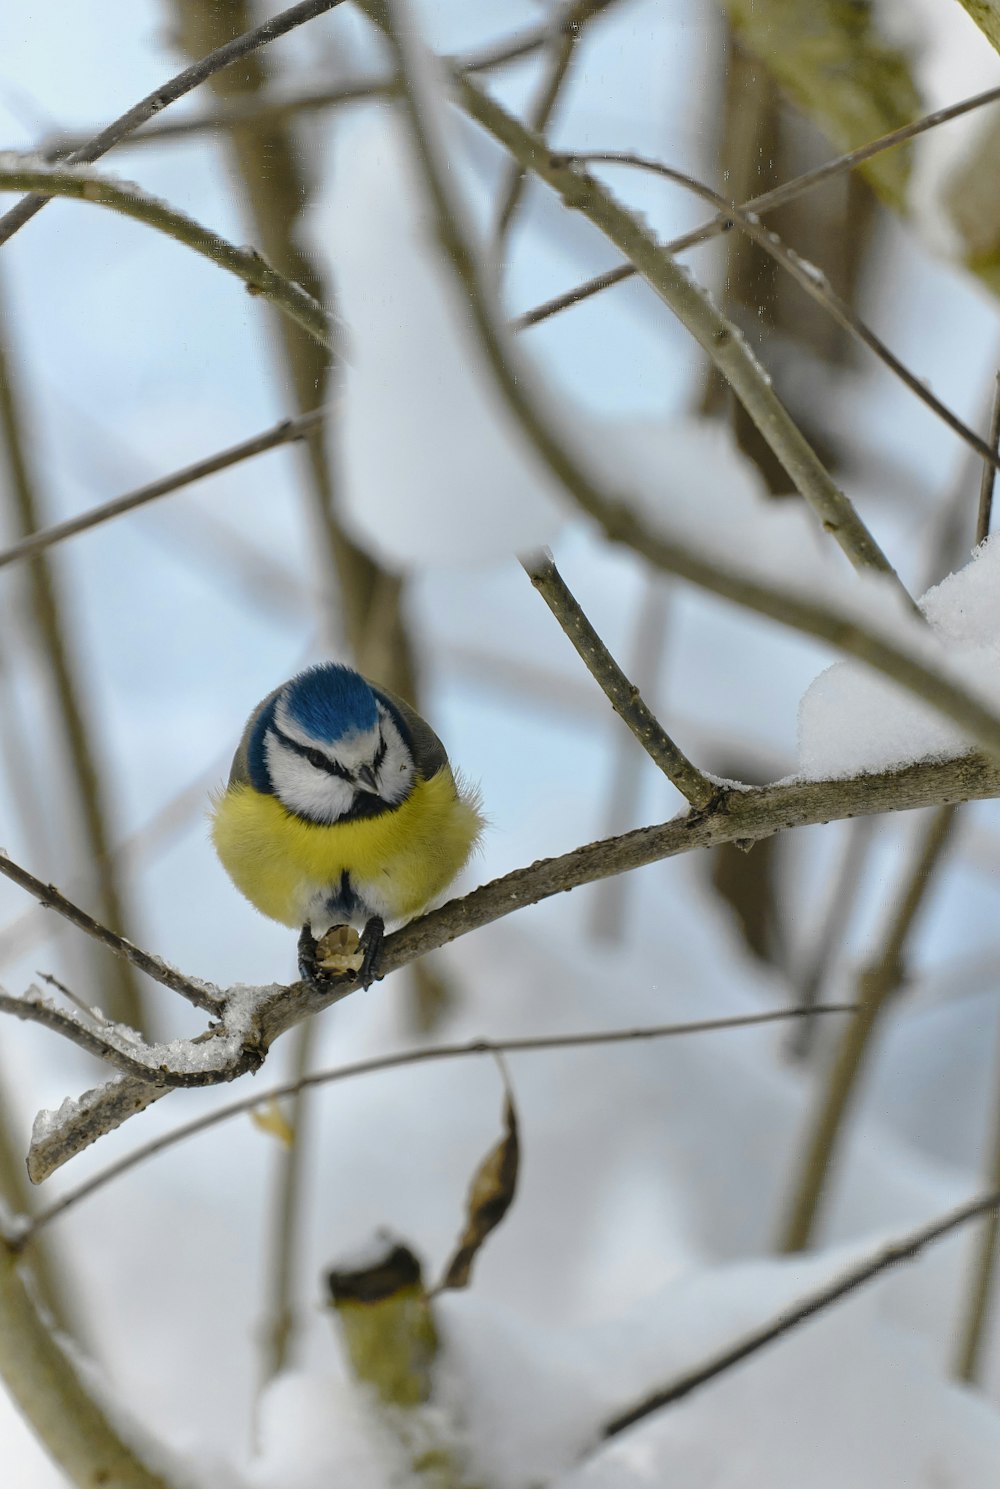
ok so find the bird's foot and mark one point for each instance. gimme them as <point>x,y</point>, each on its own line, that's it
<point>340,952</point>
<point>370,946</point>
<point>336,953</point>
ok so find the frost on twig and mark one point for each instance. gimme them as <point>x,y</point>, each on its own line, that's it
<point>222,1053</point>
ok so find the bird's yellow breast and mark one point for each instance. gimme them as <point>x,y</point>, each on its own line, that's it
<point>406,856</point>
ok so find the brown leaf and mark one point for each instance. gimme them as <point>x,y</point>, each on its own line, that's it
<point>490,1196</point>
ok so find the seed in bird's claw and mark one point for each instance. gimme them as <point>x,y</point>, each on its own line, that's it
<point>338,950</point>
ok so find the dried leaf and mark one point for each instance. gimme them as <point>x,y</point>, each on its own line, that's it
<point>270,1118</point>
<point>833,58</point>
<point>490,1196</point>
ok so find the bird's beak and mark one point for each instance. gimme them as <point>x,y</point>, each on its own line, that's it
<point>366,776</point>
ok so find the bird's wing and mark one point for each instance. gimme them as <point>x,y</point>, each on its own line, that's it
<point>239,774</point>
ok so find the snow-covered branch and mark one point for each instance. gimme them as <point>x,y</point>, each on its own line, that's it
<point>252,1018</point>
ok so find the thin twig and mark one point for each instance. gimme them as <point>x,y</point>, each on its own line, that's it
<point>767,201</point>
<point>284,1216</point>
<point>96,1040</point>
<point>621,694</point>
<point>905,1248</point>
<point>22,933</point>
<point>981,1288</point>
<point>20,172</point>
<point>236,113</point>
<point>876,985</point>
<point>94,1014</point>
<point>824,940</point>
<point>239,113</point>
<point>809,278</point>
<point>198,993</point>
<point>476,1047</point>
<point>168,93</point>
<point>539,115</point>
<point>609,902</point>
<point>285,433</point>
<point>989,471</point>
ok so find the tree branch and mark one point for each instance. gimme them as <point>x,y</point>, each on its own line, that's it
<point>263,1014</point>
<point>285,433</point>
<point>905,1248</point>
<point>168,93</point>
<point>767,201</point>
<point>104,1041</point>
<point>562,46</point>
<point>876,985</point>
<point>29,1227</point>
<point>201,994</point>
<point>79,183</point>
<point>809,278</point>
<point>621,694</point>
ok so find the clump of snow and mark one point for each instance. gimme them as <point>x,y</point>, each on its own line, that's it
<point>316,1430</point>
<point>518,1402</point>
<point>853,720</point>
<point>48,1123</point>
<point>435,470</point>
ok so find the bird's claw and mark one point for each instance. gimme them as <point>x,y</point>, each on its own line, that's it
<point>340,952</point>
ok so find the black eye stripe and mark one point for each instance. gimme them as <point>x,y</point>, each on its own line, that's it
<point>315,757</point>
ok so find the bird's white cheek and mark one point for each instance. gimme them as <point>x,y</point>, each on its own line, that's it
<point>395,776</point>
<point>302,788</point>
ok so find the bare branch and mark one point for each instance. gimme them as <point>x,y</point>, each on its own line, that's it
<point>22,172</point>
<point>621,694</point>
<point>285,433</point>
<point>989,471</point>
<point>810,278</point>
<point>557,72</point>
<point>168,93</point>
<point>201,994</point>
<point>876,985</point>
<point>768,200</point>
<point>29,1228</point>
<point>240,112</point>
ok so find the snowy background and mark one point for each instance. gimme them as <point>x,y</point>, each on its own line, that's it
<point>654,1176</point>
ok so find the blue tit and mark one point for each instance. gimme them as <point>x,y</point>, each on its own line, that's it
<point>341,809</point>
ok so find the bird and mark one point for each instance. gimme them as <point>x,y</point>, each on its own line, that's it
<point>341,810</point>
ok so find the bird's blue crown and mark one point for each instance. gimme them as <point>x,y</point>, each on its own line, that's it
<point>329,701</point>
